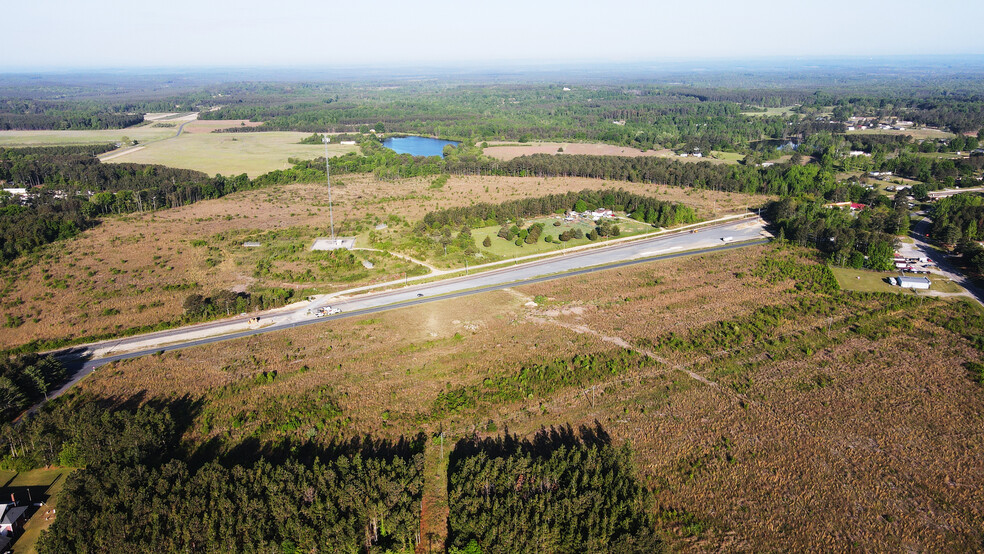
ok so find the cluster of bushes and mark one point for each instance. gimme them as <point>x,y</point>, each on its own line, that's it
<point>225,302</point>
<point>539,379</point>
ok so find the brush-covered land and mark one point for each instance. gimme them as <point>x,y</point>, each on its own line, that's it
<point>753,392</point>
<point>735,401</point>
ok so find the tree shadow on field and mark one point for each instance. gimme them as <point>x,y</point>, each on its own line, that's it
<point>542,444</point>
<point>252,450</point>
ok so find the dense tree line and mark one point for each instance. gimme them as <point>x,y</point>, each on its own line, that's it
<point>69,188</point>
<point>24,229</point>
<point>559,492</point>
<point>643,208</point>
<point>26,379</point>
<point>70,121</point>
<point>138,489</point>
<point>349,504</point>
<point>958,217</point>
<point>863,238</point>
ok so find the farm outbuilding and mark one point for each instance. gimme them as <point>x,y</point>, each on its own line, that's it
<point>911,282</point>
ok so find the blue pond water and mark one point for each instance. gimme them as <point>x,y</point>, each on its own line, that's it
<point>418,146</point>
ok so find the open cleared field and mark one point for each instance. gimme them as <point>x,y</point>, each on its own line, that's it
<point>137,270</point>
<point>771,112</point>
<point>230,153</point>
<point>142,133</point>
<point>508,249</point>
<point>512,150</point>
<point>827,402</point>
<point>210,125</point>
<point>48,482</point>
<point>863,280</point>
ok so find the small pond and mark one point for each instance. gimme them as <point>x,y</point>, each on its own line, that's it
<point>418,146</point>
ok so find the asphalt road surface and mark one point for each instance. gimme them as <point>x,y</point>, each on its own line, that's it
<point>711,239</point>
<point>919,233</point>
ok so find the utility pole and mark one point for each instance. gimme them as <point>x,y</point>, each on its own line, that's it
<point>331,218</point>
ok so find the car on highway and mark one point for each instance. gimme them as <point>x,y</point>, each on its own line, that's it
<point>420,294</point>
<point>326,311</point>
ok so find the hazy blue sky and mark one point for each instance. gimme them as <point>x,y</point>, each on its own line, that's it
<point>42,34</point>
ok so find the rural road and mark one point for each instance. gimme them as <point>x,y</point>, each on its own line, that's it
<point>125,151</point>
<point>742,233</point>
<point>919,234</point>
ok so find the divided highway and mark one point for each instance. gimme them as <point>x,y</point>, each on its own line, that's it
<point>710,239</point>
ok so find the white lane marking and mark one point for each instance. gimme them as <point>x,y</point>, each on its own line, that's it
<point>656,252</point>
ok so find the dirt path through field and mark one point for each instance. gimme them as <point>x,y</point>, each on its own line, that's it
<point>434,270</point>
<point>434,502</point>
<point>584,329</point>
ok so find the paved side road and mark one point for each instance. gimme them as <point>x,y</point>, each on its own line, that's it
<point>919,234</point>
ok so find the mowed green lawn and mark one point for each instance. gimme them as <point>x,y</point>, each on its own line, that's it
<point>53,479</point>
<point>231,153</point>
<point>862,280</point>
<point>772,112</point>
<point>507,249</point>
<point>142,134</point>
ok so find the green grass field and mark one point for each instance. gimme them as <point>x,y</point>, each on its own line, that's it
<point>54,479</point>
<point>771,112</point>
<point>508,249</point>
<point>231,153</point>
<point>730,157</point>
<point>875,281</point>
<point>141,133</point>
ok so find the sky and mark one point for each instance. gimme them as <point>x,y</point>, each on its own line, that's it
<point>89,34</point>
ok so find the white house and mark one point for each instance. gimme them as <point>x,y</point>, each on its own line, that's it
<point>600,213</point>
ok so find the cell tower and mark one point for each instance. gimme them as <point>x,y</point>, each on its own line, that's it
<point>331,218</point>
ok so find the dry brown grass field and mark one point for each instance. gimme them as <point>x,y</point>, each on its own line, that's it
<point>780,417</point>
<point>508,151</point>
<point>136,270</point>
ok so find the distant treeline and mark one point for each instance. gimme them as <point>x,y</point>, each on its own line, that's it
<point>559,492</point>
<point>69,189</point>
<point>38,122</point>
<point>642,208</point>
<point>23,152</point>
<point>780,179</point>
